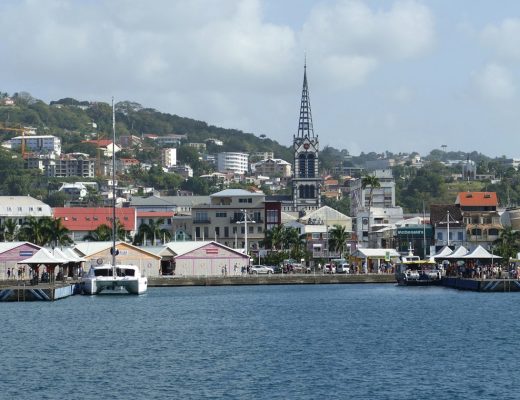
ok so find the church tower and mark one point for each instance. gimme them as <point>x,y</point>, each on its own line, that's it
<point>306,180</point>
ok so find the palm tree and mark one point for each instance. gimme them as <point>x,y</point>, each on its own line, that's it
<point>10,230</point>
<point>338,237</point>
<point>56,233</point>
<point>372,182</point>
<point>153,230</point>
<point>35,230</point>
<point>507,245</point>
<point>103,233</point>
<point>274,237</point>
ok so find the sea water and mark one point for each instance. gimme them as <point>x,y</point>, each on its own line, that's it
<point>264,342</point>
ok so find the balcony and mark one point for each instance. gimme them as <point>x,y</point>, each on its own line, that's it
<point>325,254</point>
<point>202,221</point>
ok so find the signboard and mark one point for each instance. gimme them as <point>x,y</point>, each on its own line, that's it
<point>387,256</point>
<point>213,251</point>
<point>26,253</point>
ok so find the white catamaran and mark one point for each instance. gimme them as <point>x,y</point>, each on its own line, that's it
<point>113,278</point>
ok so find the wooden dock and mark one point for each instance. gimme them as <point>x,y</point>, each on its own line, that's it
<point>41,292</point>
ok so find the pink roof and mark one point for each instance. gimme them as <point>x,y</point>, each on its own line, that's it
<point>89,218</point>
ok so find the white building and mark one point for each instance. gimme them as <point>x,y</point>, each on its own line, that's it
<point>39,144</point>
<point>169,157</point>
<point>18,208</point>
<point>382,197</point>
<point>235,162</point>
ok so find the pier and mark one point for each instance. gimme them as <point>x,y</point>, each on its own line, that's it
<point>41,292</point>
<point>482,285</point>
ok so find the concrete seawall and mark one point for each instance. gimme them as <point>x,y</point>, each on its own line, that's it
<point>290,279</point>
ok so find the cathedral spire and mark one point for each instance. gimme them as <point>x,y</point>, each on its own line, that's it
<point>305,128</point>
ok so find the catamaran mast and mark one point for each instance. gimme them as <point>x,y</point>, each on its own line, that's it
<point>113,190</point>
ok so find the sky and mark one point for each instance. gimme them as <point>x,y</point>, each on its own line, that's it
<point>400,76</point>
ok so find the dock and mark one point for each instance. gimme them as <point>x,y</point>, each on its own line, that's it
<point>482,285</point>
<point>42,292</point>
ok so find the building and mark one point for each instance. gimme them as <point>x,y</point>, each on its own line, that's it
<point>100,252</point>
<point>480,216</point>
<point>183,170</point>
<point>179,205</point>
<point>106,146</point>
<point>232,217</point>
<point>169,157</point>
<point>19,208</point>
<point>272,167</point>
<point>64,166</point>
<point>75,190</point>
<point>204,259</point>
<point>233,161</point>
<point>129,141</point>
<point>306,182</point>
<point>262,155</point>
<point>383,211</point>
<point>13,252</point>
<point>448,225</point>
<point>215,142</point>
<point>81,221</point>
<point>44,144</point>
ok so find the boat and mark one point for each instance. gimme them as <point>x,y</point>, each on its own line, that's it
<point>414,271</point>
<point>113,277</point>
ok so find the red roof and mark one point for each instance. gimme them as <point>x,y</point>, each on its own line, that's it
<point>466,199</point>
<point>100,142</point>
<point>89,218</point>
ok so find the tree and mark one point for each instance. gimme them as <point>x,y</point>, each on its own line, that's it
<point>274,238</point>
<point>153,231</point>
<point>57,234</point>
<point>507,245</point>
<point>372,182</point>
<point>103,233</point>
<point>338,237</point>
<point>35,230</point>
<point>9,230</point>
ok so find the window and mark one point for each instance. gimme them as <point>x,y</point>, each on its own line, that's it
<point>259,229</point>
<point>251,229</point>
<point>439,236</point>
<point>221,215</point>
<point>234,229</point>
<point>242,230</point>
<point>217,231</point>
<point>450,236</point>
<point>272,216</point>
<point>201,216</point>
<point>206,232</point>
<point>226,231</point>
<point>460,236</point>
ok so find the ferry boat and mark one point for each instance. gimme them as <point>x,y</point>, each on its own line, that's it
<point>414,271</point>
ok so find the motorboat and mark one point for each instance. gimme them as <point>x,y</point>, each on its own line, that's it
<point>414,271</point>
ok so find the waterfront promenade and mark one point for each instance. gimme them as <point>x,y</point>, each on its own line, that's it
<point>276,279</point>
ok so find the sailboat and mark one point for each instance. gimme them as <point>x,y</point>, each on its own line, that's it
<point>113,277</point>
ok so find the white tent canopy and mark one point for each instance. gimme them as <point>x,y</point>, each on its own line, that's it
<point>460,252</point>
<point>43,257</point>
<point>480,253</point>
<point>375,253</point>
<point>444,252</point>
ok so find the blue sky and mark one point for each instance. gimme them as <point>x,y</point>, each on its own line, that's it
<point>384,75</point>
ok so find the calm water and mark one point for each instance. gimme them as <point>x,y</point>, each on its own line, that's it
<point>264,342</point>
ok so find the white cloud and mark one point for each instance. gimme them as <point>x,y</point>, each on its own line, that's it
<point>503,38</point>
<point>352,33</point>
<point>495,82</point>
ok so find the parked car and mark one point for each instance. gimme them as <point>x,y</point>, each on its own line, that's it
<point>278,269</point>
<point>343,268</point>
<point>329,268</point>
<point>261,269</point>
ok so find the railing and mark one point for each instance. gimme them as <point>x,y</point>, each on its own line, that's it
<point>202,221</point>
<point>325,254</point>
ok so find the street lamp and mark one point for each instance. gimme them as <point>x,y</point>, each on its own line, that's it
<point>245,221</point>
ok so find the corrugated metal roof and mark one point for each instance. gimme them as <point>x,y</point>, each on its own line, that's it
<point>89,218</point>
<point>236,192</point>
<point>6,246</point>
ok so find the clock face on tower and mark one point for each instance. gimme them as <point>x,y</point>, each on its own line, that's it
<point>306,146</point>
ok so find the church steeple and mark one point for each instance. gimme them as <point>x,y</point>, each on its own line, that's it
<point>305,128</point>
<point>306,181</point>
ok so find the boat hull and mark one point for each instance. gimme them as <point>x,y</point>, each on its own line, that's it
<point>131,285</point>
